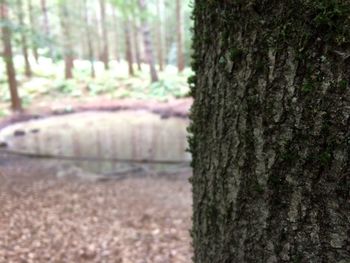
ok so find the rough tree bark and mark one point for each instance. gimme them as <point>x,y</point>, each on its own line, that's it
<point>271,131</point>
<point>105,48</point>
<point>33,27</point>
<point>24,42</point>
<point>149,50</point>
<point>8,56</point>
<point>180,37</point>
<point>67,38</point>
<point>89,39</point>
<point>128,48</point>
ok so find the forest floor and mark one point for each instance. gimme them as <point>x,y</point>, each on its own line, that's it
<point>139,219</point>
<point>48,88</point>
<point>48,219</point>
<point>174,107</point>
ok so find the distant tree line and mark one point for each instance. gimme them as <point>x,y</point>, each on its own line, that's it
<point>152,32</point>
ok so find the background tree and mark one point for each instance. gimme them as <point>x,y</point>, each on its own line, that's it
<point>116,29</point>
<point>148,41</point>
<point>24,42</point>
<point>46,25</point>
<point>97,34</point>
<point>8,55</point>
<point>271,131</point>
<point>89,38</point>
<point>105,48</point>
<point>180,38</point>
<point>33,28</point>
<point>159,33</point>
<point>68,51</point>
<point>128,48</point>
<point>71,34</point>
<point>136,38</point>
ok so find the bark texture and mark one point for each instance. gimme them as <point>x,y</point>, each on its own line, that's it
<point>8,56</point>
<point>271,131</point>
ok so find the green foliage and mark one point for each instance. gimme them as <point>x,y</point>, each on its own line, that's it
<point>64,86</point>
<point>4,113</point>
<point>164,88</point>
<point>47,84</point>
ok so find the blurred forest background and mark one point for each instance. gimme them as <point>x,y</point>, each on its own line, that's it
<point>88,49</point>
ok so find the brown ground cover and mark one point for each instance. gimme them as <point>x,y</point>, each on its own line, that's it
<point>48,219</point>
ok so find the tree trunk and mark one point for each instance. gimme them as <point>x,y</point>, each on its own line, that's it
<point>67,38</point>
<point>180,40</point>
<point>89,40</point>
<point>8,57</point>
<point>136,43</point>
<point>270,132</point>
<point>97,37</point>
<point>128,49</point>
<point>47,27</point>
<point>116,32</point>
<point>105,51</point>
<point>32,30</point>
<point>148,42</point>
<point>28,69</point>
<point>159,30</point>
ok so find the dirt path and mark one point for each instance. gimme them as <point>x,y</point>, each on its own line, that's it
<point>136,220</point>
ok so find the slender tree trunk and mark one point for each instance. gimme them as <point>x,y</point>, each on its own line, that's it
<point>89,40</point>
<point>105,51</point>
<point>28,69</point>
<point>8,57</point>
<point>80,16</point>
<point>116,32</point>
<point>97,37</point>
<point>68,46</point>
<point>160,36</point>
<point>33,27</point>
<point>128,48</point>
<point>270,132</point>
<point>47,27</point>
<point>148,42</point>
<point>180,38</point>
<point>136,39</point>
